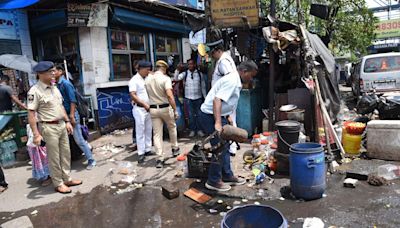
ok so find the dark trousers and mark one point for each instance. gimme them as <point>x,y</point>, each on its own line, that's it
<point>3,182</point>
<point>222,169</point>
<point>194,111</point>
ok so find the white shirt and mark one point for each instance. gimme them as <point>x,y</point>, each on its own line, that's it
<point>228,90</point>
<point>224,66</point>
<point>194,86</point>
<point>136,84</point>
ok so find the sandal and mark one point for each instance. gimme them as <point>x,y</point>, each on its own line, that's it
<point>73,183</point>
<point>65,189</point>
<point>2,189</point>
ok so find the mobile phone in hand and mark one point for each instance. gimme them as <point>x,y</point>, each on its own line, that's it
<point>42,143</point>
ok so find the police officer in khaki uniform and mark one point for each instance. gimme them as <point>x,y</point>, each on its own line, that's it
<point>51,126</point>
<point>162,109</point>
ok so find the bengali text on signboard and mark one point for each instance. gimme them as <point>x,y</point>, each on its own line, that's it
<point>388,29</point>
<point>234,13</point>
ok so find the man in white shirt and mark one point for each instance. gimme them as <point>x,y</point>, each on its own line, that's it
<point>223,66</point>
<point>220,102</point>
<point>140,111</point>
<point>194,93</point>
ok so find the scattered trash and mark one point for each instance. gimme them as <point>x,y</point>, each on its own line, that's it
<point>128,179</point>
<point>286,193</point>
<point>389,171</point>
<point>228,207</point>
<point>198,181</point>
<point>245,200</point>
<point>387,205</point>
<point>313,223</point>
<point>220,201</point>
<point>125,168</point>
<point>119,132</point>
<point>376,180</point>
<point>324,195</point>
<point>236,202</point>
<point>130,188</point>
<point>113,187</point>
<point>222,214</point>
<point>281,198</point>
<point>350,183</point>
<point>257,203</point>
<point>34,212</point>
<point>213,211</point>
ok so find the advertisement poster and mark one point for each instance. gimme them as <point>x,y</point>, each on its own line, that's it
<point>8,27</point>
<point>87,15</point>
<point>388,29</point>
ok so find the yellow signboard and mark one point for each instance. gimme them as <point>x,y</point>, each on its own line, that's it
<point>234,13</point>
<point>388,29</point>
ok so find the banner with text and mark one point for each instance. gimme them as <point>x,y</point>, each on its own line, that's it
<point>388,29</point>
<point>234,13</point>
<point>87,15</point>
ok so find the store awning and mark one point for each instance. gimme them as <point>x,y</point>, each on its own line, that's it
<point>52,21</point>
<point>16,4</point>
<point>132,18</point>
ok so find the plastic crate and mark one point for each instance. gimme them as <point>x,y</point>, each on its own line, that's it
<point>197,168</point>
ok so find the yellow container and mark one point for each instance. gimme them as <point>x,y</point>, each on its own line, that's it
<point>351,143</point>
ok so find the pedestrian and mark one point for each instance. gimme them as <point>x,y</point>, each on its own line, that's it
<point>140,110</point>
<point>3,183</point>
<point>194,94</point>
<point>162,110</point>
<point>70,102</point>
<point>7,96</point>
<point>218,105</point>
<point>224,66</point>
<point>52,126</point>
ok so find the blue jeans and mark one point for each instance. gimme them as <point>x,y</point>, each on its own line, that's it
<point>222,169</point>
<point>194,111</point>
<point>80,141</point>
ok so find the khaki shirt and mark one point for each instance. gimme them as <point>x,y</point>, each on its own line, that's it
<point>46,101</point>
<point>156,86</point>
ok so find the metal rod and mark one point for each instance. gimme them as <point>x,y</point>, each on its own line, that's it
<point>272,63</point>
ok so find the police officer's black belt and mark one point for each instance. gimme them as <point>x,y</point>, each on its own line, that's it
<point>159,106</point>
<point>139,105</point>
<point>51,122</point>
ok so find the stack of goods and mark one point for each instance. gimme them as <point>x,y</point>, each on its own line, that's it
<point>352,136</point>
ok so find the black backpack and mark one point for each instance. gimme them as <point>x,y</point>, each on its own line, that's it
<point>82,106</point>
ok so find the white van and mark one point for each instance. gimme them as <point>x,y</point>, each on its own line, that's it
<point>379,71</point>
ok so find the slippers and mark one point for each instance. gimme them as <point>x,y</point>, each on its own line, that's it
<point>62,192</point>
<point>2,189</point>
<point>73,183</point>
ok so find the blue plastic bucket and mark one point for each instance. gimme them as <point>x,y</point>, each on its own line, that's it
<point>307,170</point>
<point>260,216</point>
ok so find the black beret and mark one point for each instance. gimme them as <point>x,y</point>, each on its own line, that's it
<point>43,66</point>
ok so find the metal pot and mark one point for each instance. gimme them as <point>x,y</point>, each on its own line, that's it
<point>297,115</point>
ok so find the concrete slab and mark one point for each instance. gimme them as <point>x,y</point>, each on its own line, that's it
<point>20,222</point>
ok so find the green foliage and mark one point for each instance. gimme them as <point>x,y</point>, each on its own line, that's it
<point>351,30</point>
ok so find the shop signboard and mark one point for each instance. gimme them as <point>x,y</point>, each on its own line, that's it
<point>8,26</point>
<point>388,29</point>
<point>114,109</point>
<point>186,3</point>
<point>234,13</point>
<point>87,15</point>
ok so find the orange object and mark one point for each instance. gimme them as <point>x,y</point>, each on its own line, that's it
<point>264,142</point>
<point>384,65</point>
<point>274,146</point>
<point>267,133</point>
<point>355,128</point>
<point>197,196</point>
<point>256,136</point>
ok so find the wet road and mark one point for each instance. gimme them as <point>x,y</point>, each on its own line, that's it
<point>364,206</point>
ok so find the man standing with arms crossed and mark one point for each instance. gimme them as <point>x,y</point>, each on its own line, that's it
<point>140,111</point>
<point>162,109</point>
<point>218,105</point>
<point>45,101</point>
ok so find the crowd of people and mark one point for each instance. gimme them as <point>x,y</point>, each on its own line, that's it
<point>53,115</point>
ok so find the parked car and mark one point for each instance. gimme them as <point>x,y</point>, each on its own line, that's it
<point>379,72</point>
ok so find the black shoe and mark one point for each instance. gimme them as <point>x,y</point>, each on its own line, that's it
<point>160,164</point>
<point>141,159</point>
<point>175,152</point>
<point>150,153</point>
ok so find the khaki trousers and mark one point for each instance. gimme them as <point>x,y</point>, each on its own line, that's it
<point>158,118</point>
<point>58,151</point>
